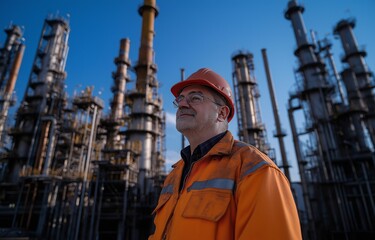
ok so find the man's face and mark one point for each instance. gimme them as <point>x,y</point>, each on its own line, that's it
<point>193,114</point>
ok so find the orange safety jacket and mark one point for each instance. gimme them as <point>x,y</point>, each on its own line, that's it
<point>233,192</point>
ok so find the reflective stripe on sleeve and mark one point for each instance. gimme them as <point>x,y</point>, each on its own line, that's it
<point>167,189</point>
<point>254,168</point>
<point>219,183</point>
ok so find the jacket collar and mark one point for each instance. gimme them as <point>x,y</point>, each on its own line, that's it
<point>223,147</point>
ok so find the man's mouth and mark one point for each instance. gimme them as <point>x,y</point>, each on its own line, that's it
<point>184,114</point>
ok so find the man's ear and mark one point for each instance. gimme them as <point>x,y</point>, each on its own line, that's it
<point>223,113</point>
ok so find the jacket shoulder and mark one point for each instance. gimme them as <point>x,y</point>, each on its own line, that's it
<point>251,159</point>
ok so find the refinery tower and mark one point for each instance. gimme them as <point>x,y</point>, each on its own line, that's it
<point>70,171</point>
<point>335,144</point>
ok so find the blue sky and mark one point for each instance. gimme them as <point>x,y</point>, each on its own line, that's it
<point>189,34</point>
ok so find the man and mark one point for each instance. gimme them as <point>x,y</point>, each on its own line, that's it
<point>221,188</point>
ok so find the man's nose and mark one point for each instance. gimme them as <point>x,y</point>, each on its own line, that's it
<point>183,103</point>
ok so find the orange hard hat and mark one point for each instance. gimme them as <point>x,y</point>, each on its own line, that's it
<point>207,77</point>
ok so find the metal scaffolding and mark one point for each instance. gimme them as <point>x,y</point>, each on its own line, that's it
<point>335,160</point>
<point>73,173</point>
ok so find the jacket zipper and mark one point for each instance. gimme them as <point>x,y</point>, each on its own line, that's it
<point>187,175</point>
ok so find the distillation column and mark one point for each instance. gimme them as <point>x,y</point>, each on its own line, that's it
<point>34,133</point>
<point>314,84</point>
<point>360,144</point>
<point>121,78</point>
<point>355,58</point>
<point>88,112</point>
<point>355,135</point>
<point>36,130</point>
<point>10,61</point>
<point>115,172</point>
<point>145,127</point>
<point>250,126</point>
<point>311,93</point>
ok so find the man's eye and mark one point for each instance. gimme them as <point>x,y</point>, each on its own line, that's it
<point>196,98</point>
<point>179,99</point>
